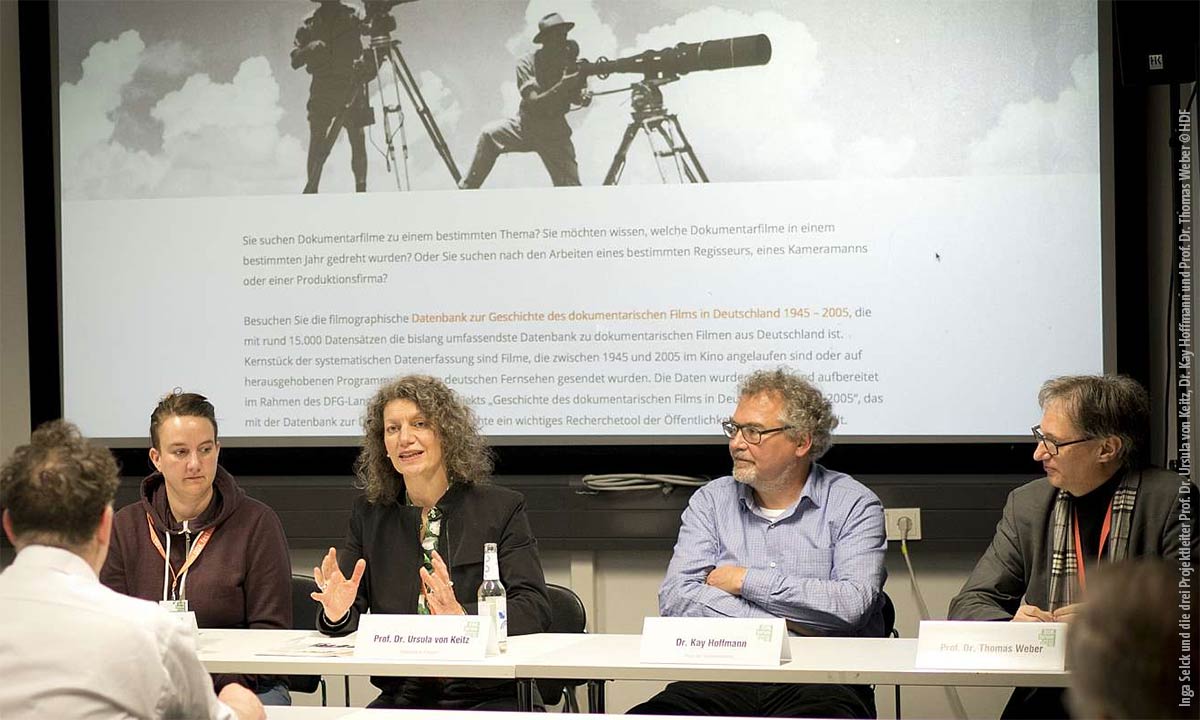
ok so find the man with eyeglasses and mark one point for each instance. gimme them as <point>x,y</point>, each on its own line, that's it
<point>1097,504</point>
<point>782,537</point>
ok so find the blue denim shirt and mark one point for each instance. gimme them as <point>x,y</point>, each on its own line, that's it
<point>820,564</point>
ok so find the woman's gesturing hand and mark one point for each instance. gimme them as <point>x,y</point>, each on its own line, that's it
<point>336,592</point>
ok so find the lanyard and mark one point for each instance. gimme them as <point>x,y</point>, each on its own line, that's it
<point>1079,546</point>
<point>197,548</point>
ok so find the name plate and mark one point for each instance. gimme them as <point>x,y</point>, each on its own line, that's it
<point>422,637</point>
<point>715,641</point>
<point>943,645</point>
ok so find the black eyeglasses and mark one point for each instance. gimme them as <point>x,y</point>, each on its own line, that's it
<point>750,434</point>
<point>1053,446</point>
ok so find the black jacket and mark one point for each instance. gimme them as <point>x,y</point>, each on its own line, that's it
<point>1017,564</point>
<point>388,537</point>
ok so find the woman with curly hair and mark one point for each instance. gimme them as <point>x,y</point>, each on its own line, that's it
<point>416,536</point>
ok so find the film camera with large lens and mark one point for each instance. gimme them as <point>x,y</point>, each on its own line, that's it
<point>649,114</point>
<point>684,58</point>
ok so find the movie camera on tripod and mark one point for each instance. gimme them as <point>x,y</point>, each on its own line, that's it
<point>657,68</point>
<point>377,17</point>
<point>384,51</point>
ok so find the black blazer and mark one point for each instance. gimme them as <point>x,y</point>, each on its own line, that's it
<point>387,536</point>
<point>1017,564</point>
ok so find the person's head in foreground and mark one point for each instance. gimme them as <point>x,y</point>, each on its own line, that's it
<point>1124,650</point>
<point>58,491</point>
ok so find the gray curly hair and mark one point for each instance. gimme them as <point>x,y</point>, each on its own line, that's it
<point>804,407</point>
<point>465,453</point>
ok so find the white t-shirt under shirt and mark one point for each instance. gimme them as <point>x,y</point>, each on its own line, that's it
<point>772,513</point>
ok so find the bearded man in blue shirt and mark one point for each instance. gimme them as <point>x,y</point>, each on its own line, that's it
<point>783,537</point>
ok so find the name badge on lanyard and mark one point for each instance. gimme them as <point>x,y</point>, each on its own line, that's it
<point>173,602</point>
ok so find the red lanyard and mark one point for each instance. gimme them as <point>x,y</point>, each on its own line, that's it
<point>1079,546</point>
<point>197,548</point>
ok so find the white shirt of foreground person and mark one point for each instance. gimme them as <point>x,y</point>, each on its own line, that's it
<point>72,648</point>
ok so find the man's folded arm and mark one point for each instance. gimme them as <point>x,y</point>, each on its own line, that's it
<point>838,605</point>
<point>685,591</point>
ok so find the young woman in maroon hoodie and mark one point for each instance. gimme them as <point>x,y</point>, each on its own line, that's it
<point>196,537</point>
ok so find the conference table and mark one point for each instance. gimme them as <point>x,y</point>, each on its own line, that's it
<point>849,661</point>
<point>597,659</point>
<point>333,713</point>
<point>281,712</point>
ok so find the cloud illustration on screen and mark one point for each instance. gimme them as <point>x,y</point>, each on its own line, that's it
<point>1037,136</point>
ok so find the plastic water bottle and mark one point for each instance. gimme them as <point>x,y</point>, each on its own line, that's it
<point>493,601</point>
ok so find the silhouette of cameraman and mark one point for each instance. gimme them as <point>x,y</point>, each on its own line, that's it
<point>547,93</point>
<point>329,46</point>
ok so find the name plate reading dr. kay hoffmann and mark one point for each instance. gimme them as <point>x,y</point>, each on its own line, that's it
<point>944,645</point>
<point>715,641</point>
<point>422,637</point>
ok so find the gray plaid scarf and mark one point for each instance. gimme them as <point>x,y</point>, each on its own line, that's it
<point>1064,575</point>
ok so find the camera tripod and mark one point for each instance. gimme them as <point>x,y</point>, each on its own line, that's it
<point>649,115</point>
<point>385,52</point>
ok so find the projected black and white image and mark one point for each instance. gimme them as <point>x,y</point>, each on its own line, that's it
<point>192,99</point>
<point>329,46</point>
<point>586,216</point>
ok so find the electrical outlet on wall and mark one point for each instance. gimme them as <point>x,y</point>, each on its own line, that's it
<point>895,528</point>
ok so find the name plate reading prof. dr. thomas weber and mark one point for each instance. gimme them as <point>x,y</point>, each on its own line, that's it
<point>422,637</point>
<point>945,645</point>
<point>715,641</point>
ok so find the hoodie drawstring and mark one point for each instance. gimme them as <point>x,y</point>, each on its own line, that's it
<point>166,566</point>
<point>192,551</point>
<point>187,549</point>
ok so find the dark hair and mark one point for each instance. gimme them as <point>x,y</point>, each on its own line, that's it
<point>1105,406</point>
<point>55,488</point>
<point>1124,648</point>
<point>465,453</point>
<point>181,404</point>
<point>804,407</point>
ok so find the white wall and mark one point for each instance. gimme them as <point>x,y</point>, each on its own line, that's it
<point>14,339</point>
